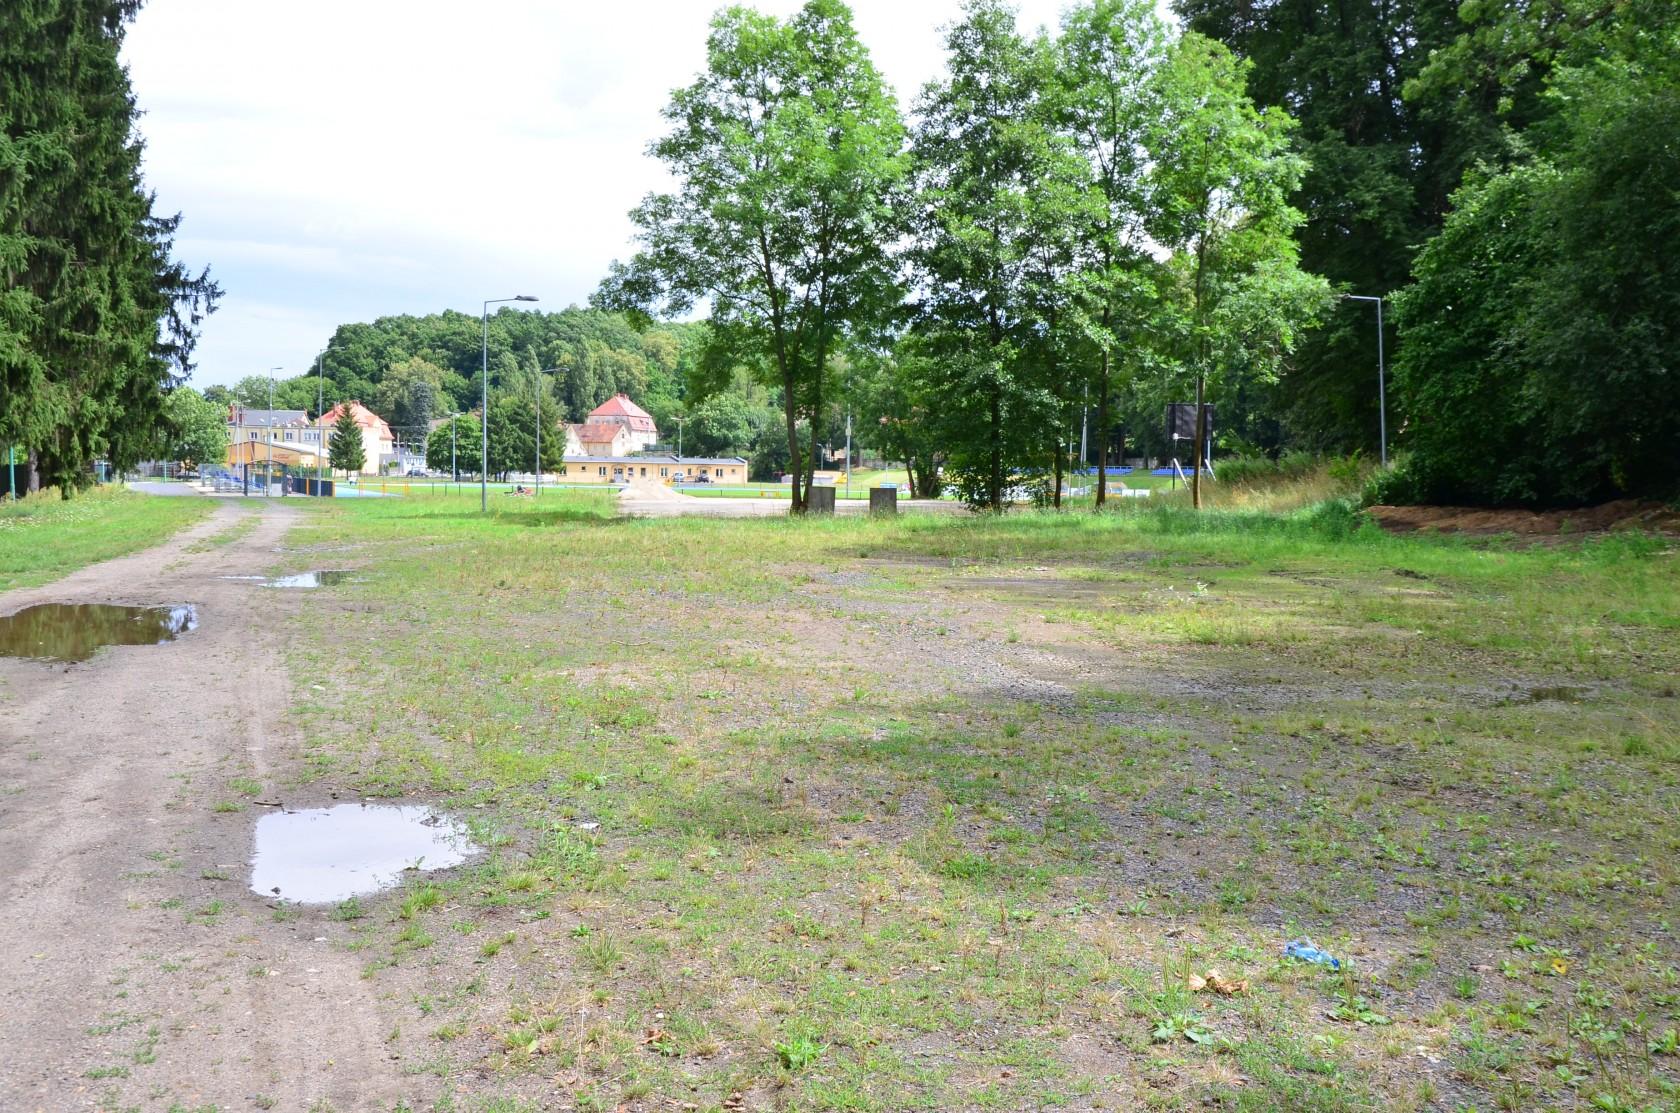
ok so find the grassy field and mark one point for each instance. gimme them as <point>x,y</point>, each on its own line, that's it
<point>960,813</point>
<point>45,537</point>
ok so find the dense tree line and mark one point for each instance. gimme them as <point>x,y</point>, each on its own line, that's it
<point>1060,219</point>
<point>97,318</point>
<point>1088,223</point>
<point>413,370</point>
<point>1506,172</point>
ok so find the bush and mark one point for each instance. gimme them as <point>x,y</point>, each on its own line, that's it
<point>1400,485</point>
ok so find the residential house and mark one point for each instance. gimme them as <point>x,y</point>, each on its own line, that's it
<point>378,445</point>
<point>284,436</point>
<point>600,440</point>
<point>637,422</point>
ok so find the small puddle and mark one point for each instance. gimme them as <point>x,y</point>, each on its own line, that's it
<point>326,577</point>
<point>75,631</point>
<point>323,855</point>
<point>1557,693</point>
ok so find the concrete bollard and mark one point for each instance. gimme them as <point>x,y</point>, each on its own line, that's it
<point>820,500</point>
<point>883,500</point>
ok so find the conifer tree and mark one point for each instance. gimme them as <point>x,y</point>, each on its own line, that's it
<point>345,452</point>
<point>97,319</point>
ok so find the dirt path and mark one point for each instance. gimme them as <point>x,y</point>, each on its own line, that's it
<point>135,969</point>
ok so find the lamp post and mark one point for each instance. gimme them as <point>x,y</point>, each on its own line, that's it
<point>1382,386</point>
<point>268,480</point>
<point>484,417</point>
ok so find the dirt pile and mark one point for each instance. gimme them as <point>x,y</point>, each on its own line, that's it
<point>1619,515</point>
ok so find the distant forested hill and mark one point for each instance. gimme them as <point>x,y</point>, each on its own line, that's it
<point>414,369</point>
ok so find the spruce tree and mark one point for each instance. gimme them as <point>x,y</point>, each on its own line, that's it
<point>345,451</point>
<point>97,319</point>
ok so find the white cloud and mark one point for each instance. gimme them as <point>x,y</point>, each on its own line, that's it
<point>340,161</point>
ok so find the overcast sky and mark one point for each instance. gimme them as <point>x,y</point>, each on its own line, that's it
<point>341,161</point>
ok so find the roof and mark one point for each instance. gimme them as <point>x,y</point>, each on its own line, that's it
<point>363,416</point>
<point>621,410</point>
<point>238,415</point>
<point>633,461</point>
<point>599,433</point>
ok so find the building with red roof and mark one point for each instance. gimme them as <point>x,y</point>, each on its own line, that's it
<point>620,411</point>
<point>378,445</point>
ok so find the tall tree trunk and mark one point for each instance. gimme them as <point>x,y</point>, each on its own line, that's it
<point>32,474</point>
<point>997,454</point>
<point>794,450</point>
<point>1056,495</point>
<point>1102,425</point>
<point>1201,438</point>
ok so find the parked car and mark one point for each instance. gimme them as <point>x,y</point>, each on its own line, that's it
<point>417,473</point>
<point>702,479</point>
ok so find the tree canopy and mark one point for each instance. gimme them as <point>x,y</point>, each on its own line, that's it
<point>787,155</point>
<point>98,320</point>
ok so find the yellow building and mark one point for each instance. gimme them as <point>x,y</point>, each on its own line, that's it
<point>670,470</point>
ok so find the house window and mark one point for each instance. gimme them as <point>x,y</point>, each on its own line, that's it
<point>644,472</point>
<point>664,473</point>
<point>603,469</point>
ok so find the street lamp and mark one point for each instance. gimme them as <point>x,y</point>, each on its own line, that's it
<point>1382,388</point>
<point>268,480</point>
<point>484,418</point>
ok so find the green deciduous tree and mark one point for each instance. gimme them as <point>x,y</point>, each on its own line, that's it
<point>720,425</point>
<point>454,446</point>
<point>787,153</point>
<point>1380,166</point>
<point>1222,177</point>
<point>1541,329</point>
<point>345,451</point>
<point>1108,98</point>
<point>196,428</point>
<point>1000,192</point>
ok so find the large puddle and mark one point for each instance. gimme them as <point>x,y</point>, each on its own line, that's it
<point>321,855</point>
<point>323,577</point>
<point>75,631</point>
<point>326,577</point>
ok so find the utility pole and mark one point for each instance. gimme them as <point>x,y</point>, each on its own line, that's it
<point>268,480</point>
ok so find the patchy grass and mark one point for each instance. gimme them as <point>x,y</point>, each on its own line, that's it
<point>44,537</point>
<point>957,812</point>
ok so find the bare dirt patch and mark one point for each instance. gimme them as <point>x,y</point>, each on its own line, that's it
<point>136,969</point>
<point>1623,514</point>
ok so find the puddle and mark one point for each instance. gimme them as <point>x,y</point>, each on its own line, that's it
<point>1559,693</point>
<point>325,577</point>
<point>75,631</point>
<point>323,855</point>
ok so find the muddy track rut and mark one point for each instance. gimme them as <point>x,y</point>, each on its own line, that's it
<point>136,972</point>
